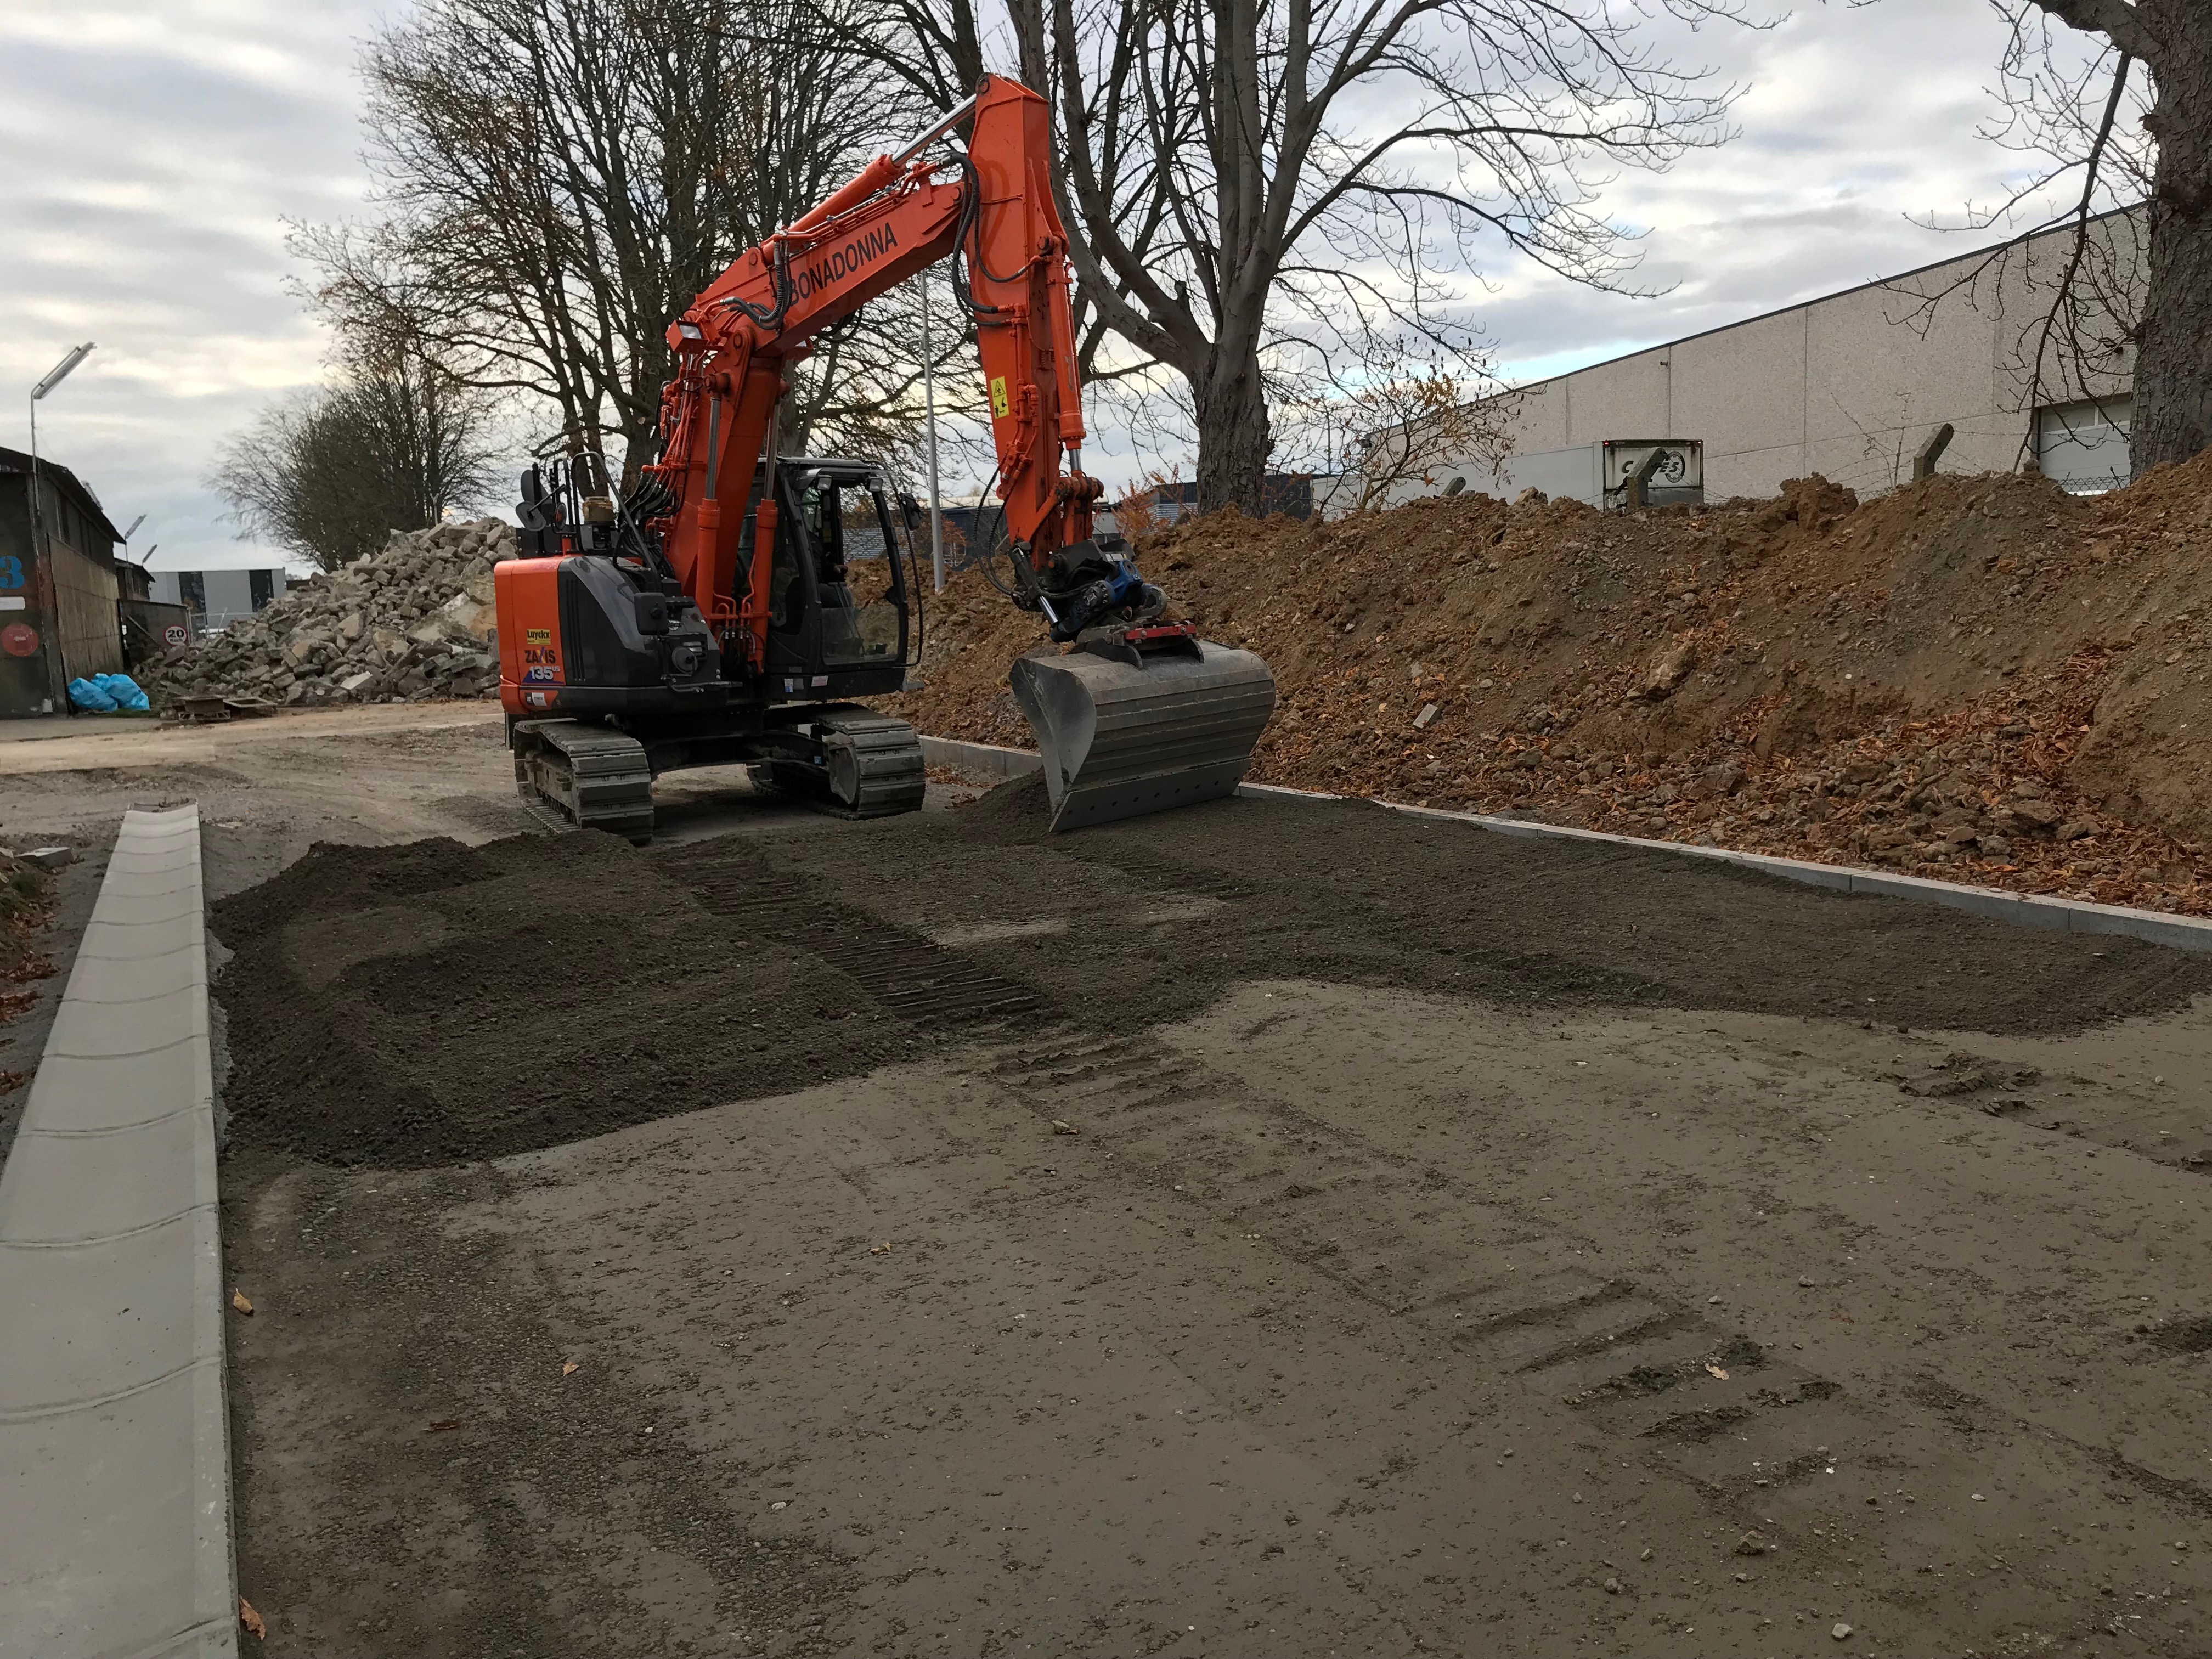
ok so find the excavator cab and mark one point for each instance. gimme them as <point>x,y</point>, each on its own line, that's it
<point>844,616</point>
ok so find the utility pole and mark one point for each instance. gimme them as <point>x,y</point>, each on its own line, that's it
<point>929,430</point>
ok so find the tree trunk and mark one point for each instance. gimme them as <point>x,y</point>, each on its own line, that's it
<point>1233,439</point>
<point>2173,362</point>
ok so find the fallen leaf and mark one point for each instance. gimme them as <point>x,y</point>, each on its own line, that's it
<point>1716,1370</point>
<point>446,1423</point>
<point>238,1301</point>
<point>252,1621</point>
<point>570,1367</point>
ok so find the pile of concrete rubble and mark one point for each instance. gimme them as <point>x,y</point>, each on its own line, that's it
<point>414,621</point>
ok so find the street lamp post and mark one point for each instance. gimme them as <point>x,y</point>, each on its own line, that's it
<point>55,376</point>
<point>40,550</point>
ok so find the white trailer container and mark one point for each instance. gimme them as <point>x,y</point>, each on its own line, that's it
<point>1599,473</point>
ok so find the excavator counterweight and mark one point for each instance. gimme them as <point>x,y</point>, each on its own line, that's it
<point>730,606</point>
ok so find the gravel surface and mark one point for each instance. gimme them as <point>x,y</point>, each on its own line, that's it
<point>1276,1228</point>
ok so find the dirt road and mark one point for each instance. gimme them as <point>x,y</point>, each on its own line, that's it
<point>1274,1229</point>
<point>1277,1230</point>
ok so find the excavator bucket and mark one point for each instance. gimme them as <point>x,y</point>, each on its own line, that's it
<point>1121,738</point>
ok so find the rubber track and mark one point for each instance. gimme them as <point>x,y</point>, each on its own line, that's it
<point>607,772</point>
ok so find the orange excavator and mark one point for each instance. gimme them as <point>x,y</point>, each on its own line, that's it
<point>738,603</point>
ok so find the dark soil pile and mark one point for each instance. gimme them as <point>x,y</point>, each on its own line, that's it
<point>432,1002</point>
<point>1162,914</point>
<point>26,905</point>
<point>1982,678</point>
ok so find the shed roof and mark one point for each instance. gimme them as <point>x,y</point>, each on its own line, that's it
<point>78,492</point>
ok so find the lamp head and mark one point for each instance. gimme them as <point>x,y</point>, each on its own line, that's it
<point>60,371</point>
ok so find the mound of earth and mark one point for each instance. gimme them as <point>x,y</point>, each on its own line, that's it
<point>1982,678</point>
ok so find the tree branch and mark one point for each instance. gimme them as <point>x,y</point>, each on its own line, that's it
<point>2117,20</point>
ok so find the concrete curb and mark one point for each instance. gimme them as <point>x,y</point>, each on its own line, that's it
<point>115,1534</point>
<point>2021,910</point>
<point>981,759</point>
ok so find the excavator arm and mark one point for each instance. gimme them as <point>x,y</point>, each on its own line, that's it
<point>991,211</point>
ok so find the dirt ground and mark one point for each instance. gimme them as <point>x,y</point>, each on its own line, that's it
<point>1278,1228</point>
<point>269,790</point>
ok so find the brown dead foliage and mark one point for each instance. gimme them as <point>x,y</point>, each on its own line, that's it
<point>26,906</point>
<point>1977,677</point>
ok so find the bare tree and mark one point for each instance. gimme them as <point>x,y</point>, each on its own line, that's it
<point>1406,429</point>
<point>557,178</point>
<point>393,445</point>
<point>2072,106</point>
<point>2112,101</point>
<point>1259,195</point>
<point>2173,40</point>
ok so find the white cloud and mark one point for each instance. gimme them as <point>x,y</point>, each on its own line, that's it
<point>151,150</point>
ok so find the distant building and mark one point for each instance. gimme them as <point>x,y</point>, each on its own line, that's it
<point>1852,385</point>
<point>969,526</point>
<point>57,587</point>
<point>217,599</point>
<point>1289,493</point>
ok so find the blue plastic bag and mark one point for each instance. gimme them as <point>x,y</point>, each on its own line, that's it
<point>124,691</point>
<point>90,697</point>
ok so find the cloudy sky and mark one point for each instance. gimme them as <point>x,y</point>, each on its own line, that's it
<point>152,151</point>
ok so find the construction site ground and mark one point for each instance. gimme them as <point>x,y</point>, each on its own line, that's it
<point>1273,1228</point>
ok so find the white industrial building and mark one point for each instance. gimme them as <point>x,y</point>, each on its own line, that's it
<point>217,599</point>
<point>1850,385</point>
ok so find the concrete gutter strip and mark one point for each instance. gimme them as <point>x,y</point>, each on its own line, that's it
<point>981,759</point>
<point>115,1527</point>
<point>2021,910</point>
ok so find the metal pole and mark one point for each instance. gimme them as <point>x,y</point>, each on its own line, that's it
<point>49,641</point>
<point>929,428</point>
<point>37,552</point>
<point>40,550</point>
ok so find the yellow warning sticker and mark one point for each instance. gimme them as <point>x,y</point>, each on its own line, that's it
<point>998,395</point>
<point>538,636</point>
